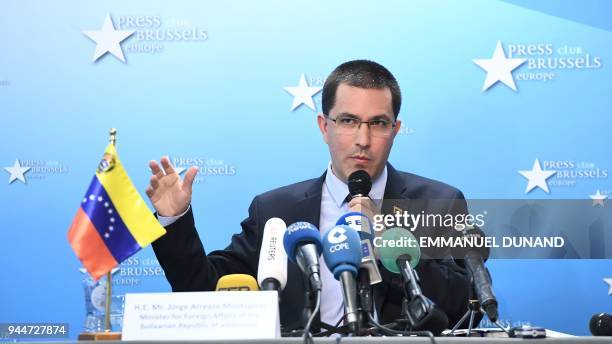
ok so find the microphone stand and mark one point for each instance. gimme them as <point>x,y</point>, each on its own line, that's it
<point>309,303</point>
<point>348,289</point>
<point>366,307</point>
<point>473,309</point>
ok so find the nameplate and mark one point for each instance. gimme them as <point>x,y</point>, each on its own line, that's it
<point>201,315</point>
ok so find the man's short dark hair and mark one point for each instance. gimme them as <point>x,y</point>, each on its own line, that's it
<point>363,74</point>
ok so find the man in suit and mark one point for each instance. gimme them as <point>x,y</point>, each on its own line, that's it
<point>361,102</point>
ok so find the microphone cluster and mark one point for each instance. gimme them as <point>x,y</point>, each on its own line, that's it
<point>349,254</point>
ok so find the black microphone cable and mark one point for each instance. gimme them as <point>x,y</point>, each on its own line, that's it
<point>335,329</point>
<point>390,331</point>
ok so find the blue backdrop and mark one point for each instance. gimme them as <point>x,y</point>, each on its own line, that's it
<point>206,84</point>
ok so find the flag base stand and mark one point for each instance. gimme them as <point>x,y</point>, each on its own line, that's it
<point>99,336</point>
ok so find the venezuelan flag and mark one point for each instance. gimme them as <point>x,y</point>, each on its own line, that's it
<point>113,221</point>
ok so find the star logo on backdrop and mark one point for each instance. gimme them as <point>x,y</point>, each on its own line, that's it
<point>609,281</point>
<point>537,177</point>
<point>17,172</point>
<point>108,40</point>
<point>598,198</point>
<point>499,68</point>
<point>302,94</point>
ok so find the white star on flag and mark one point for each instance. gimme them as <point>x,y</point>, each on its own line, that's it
<point>109,212</point>
<point>499,68</point>
<point>537,177</point>
<point>17,172</point>
<point>598,198</point>
<point>609,281</point>
<point>302,94</point>
<point>108,40</point>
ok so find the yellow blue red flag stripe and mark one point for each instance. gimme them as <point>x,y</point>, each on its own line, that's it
<point>113,221</point>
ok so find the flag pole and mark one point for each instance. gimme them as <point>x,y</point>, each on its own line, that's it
<point>107,325</point>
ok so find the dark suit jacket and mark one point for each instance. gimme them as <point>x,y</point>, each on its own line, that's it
<point>188,268</point>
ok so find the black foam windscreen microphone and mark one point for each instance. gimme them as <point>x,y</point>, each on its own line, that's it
<point>359,184</point>
<point>459,252</point>
<point>472,258</point>
<point>601,324</point>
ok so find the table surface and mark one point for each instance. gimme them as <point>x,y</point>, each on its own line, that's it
<point>364,340</point>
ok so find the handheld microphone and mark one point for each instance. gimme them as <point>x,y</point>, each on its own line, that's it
<point>237,282</point>
<point>302,243</point>
<point>359,184</point>
<point>363,226</point>
<point>472,258</point>
<point>601,324</point>
<point>401,257</point>
<point>342,254</point>
<point>272,268</point>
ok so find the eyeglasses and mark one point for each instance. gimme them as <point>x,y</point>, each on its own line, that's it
<point>349,125</point>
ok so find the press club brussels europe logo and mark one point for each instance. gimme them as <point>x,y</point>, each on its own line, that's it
<point>528,62</point>
<point>25,170</point>
<point>545,174</point>
<point>546,61</point>
<point>134,270</point>
<point>135,34</point>
<point>207,167</point>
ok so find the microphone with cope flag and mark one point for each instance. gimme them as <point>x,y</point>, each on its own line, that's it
<point>402,257</point>
<point>342,254</point>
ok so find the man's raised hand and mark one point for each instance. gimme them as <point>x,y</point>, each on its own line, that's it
<point>169,194</point>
